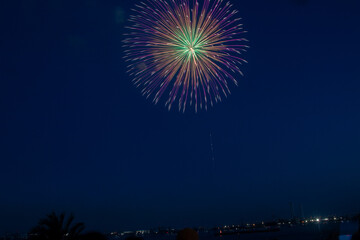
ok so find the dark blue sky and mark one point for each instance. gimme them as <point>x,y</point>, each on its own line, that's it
<point>77,136</point>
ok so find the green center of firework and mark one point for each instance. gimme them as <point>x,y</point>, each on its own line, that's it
<point>192,52</point>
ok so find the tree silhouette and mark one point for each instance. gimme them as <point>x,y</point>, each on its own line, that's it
<point>187,234</point>
<point>55,227</point>
<point>92,236</point>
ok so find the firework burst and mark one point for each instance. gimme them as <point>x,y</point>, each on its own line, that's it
<point>184,53</point>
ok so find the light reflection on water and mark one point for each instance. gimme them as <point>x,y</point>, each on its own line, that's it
<point>313,232</point>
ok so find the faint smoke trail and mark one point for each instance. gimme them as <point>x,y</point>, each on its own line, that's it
<point>212,151</point>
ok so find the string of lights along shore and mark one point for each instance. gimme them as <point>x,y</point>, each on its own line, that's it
<point>185,52</point>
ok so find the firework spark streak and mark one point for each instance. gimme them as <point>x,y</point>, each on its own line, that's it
<point>188,52</point>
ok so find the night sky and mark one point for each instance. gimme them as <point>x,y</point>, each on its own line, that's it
<point>77,136</point>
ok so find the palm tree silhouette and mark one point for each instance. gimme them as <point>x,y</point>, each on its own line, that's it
<point>55,227</point>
